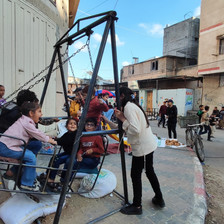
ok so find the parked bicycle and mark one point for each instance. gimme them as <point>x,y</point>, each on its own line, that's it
<point>193,139</point>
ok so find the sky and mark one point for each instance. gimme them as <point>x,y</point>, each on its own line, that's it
<point>139,31</point>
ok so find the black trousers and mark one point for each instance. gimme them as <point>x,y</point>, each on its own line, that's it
<point>207,130</point>
<point>172,128</point>
<point>138,164</point>
<point>162,120</point>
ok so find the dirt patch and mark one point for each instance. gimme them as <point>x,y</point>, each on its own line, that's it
<point>214,182</point>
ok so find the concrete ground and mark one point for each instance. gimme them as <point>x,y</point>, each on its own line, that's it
<point>181,178</point>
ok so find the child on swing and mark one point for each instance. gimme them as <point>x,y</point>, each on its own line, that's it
<point>2,93</point>
<point>24,128</point>
<point>66,141</point>
<point>90,150</point>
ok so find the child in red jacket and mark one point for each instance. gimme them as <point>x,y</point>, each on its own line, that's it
<point>91,148</point>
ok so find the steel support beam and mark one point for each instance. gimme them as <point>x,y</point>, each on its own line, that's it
<point>82,120</point>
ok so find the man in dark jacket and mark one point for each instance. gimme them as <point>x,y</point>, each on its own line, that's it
<point>172,119</point>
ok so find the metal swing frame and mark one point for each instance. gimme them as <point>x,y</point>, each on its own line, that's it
<point>109,18</point>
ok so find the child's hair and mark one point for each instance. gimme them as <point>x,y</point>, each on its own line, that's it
<point>91,120</point>
<point>29,106</point>
<point>105,94</point>
<point>86,88</point>
<point>206,107</point>
<point>24,96</point>
<point>2,86</point>
<point>70,119</point>
<point>129,97</point>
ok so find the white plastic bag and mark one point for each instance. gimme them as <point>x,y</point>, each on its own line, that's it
<point>61,129</point>
<point>105,184</point>
<point>20,209</point>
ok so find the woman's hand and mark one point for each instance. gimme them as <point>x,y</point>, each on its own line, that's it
<point>79,158</point>
<point>120,115</point>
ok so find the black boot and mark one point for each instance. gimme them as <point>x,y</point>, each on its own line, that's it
<point>131,210</point>
<point>158,202</point>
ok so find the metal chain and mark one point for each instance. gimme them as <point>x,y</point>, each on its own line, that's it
<point>44,77</point>
<point>76,83</point>
<point>90,55</point>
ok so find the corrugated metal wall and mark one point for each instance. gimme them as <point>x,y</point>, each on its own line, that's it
<point>26,46</point>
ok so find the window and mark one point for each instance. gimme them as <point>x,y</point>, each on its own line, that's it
<point>154,65</point>
<point>221,46</point>
<point>221,80</point>
<point>132,70</point>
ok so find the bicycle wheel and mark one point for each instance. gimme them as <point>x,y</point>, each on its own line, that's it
<point>199,149</point>
<point>189,138</point>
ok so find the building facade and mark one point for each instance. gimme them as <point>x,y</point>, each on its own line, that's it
<point>211,52</point>
<point>181,39</point>
<point>28,31</point>
<point>174,75</point>
<point>165,77</point>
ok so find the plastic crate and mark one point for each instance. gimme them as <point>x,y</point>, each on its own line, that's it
<point>184,121</point>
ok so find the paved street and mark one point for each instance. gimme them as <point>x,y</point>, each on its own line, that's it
<point>180,176</point>
<point>214,151</point>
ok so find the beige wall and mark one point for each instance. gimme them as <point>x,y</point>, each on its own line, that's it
<point>28,31</point>
<point>167,67</point>
<point>211,64</point>
<point>212,92</point>
<point>143,70</point>
<point>58,13</point>
<point>211,28</point>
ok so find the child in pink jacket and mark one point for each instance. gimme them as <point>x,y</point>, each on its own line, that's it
<point>24,128</point>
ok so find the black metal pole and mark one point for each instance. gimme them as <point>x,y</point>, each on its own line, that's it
<point>48,77</point>
<point>87,28</point>
<point>78,23</point>
<point>81,126</point>
<point>63,81</point>
<point>116,81</point>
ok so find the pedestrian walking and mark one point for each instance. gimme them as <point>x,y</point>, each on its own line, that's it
<point>172,119</point>
<point>215,112</point>
<point>143,143</point>
<point>162,114</point>
<point>205,120</point>
<point>199,114</point>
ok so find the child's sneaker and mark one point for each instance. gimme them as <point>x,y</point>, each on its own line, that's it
<point>30,188</point>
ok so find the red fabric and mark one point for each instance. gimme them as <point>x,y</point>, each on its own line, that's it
<point>163,109</point>
<point>92,142</point>
<point>96,108</point>
<point>113,148</point>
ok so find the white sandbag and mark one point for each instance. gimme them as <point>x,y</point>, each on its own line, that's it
<point>105,184</point>
<point>20,209</point>
<point>61,129</point>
